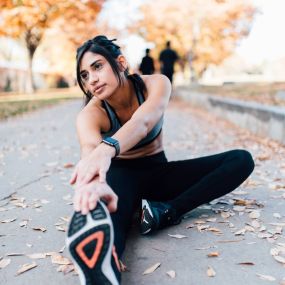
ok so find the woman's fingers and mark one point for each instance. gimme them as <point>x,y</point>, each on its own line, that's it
<point>77,201</point>
<point>111,198</point>
<point>85,202</point>
<point>93,201</point>
<point>112,205</point>
<point>88,176</point>
<point>73,176</point>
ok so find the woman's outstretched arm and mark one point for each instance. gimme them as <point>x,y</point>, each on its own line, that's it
<point>96,157</point>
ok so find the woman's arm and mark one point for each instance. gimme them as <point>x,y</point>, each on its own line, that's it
<point>147,115</point>
<point>98,156</point>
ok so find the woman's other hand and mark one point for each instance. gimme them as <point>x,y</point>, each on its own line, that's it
<point>87,195</point>
<point>97,163</point>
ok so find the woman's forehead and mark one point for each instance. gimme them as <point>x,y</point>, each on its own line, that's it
<point>88,58</point>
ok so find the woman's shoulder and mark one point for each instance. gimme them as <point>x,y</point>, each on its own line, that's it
<point>154,78</point>
<point>92,110</point>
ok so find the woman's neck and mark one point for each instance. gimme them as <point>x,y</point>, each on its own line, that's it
<point>122,98</point>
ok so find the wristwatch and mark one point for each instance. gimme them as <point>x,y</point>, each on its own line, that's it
<point>112,142</point>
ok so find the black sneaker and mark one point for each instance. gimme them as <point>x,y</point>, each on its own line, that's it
<point>157,215</point>
<point>90,241</point>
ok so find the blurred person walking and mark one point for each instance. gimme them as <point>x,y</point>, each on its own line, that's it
<point>147,66</point>
<point>167,59</point>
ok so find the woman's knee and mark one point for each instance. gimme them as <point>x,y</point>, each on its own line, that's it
<point>244,161</point>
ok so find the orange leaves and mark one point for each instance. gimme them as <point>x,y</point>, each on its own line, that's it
<point>32,18</point>
<point>210,32</point>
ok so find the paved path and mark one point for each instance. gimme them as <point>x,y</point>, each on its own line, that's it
<point>242,227</point>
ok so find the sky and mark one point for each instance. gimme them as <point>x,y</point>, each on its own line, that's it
<point>266,41</point>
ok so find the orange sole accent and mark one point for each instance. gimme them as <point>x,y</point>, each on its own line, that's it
<point>90,262</point>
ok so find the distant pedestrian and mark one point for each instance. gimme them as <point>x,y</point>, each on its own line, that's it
<point>147,66</point>
<point>167,59</point>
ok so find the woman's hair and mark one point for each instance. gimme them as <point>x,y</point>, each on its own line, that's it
<point>105,47</point>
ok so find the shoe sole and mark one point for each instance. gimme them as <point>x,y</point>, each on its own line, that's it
<point>94,233</point>
<point>147,218</point>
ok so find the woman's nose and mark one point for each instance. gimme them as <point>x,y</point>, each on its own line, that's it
<point>93,78</point>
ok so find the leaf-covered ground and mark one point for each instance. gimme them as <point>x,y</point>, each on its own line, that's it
<point>234,239</point>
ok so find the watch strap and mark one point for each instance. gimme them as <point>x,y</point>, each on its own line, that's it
<point>112,142</point>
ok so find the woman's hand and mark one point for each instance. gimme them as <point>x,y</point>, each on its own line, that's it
<point>86,197</point>
<point>97,163</point>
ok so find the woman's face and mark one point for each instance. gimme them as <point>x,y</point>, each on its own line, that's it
<point>97,75</point>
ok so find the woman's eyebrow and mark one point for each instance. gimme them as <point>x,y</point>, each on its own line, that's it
<point>91,65</point>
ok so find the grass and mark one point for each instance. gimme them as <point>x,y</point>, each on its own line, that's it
<point>12,105</point>
<point>264,93</point>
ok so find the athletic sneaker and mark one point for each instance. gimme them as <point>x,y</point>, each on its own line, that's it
<point>90,241</point>
<point>157,215</point>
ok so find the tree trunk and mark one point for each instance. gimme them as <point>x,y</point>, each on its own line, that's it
<point>30,87</point>
<point>32,42</point>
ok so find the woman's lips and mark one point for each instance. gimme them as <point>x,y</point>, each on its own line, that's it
<point>100,88</point>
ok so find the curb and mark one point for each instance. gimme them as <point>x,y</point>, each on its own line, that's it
<point>268,121</point>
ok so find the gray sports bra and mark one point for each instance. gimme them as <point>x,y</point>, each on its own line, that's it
<point>116,124</point>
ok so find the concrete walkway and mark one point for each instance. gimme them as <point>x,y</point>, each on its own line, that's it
<point>242,230</point>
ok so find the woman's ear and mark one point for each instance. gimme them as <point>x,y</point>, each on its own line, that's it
<point>122,62</point>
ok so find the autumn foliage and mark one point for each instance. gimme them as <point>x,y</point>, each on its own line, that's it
<point>203,31</point>
<point>29,19</point>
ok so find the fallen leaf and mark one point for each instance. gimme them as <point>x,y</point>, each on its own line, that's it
<point>26,267</point>
<point>68,165</point>
<point>171,273</point>
<point>123,267</point>
<point>215,230</point>
<point>37,255</point>
<point>211,272</point>
<point>212,220</point>
<point>8,220</point>
<point>62,249</point>
<point>201,228</point>
<point>15,254</point>
<point>59,259</point>
<point>42,229</point>
<point>66,268</point>
<point>213,254</point>
<point>240,232</point>
<point>279,259</point>
<point>246,263</point>
<point>152,268</point>
<point>254,215</point>
<point>266,277</point>
<point>177,236</point>
<point>23,223</point>
<point>228,241</point>
<point>225,215</point>
<point>274,251</point>
<point>4,262</point>
<point>61,228</point>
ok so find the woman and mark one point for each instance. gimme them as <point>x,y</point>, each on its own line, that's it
<point>122,162</point>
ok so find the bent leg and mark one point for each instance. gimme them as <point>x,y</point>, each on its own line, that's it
<point>188,184</point>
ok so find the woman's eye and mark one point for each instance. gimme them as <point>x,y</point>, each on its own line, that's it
<point>98,66</point>
<point>84,76</point>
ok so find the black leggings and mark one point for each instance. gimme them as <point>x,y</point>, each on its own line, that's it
<point>184,184</point>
